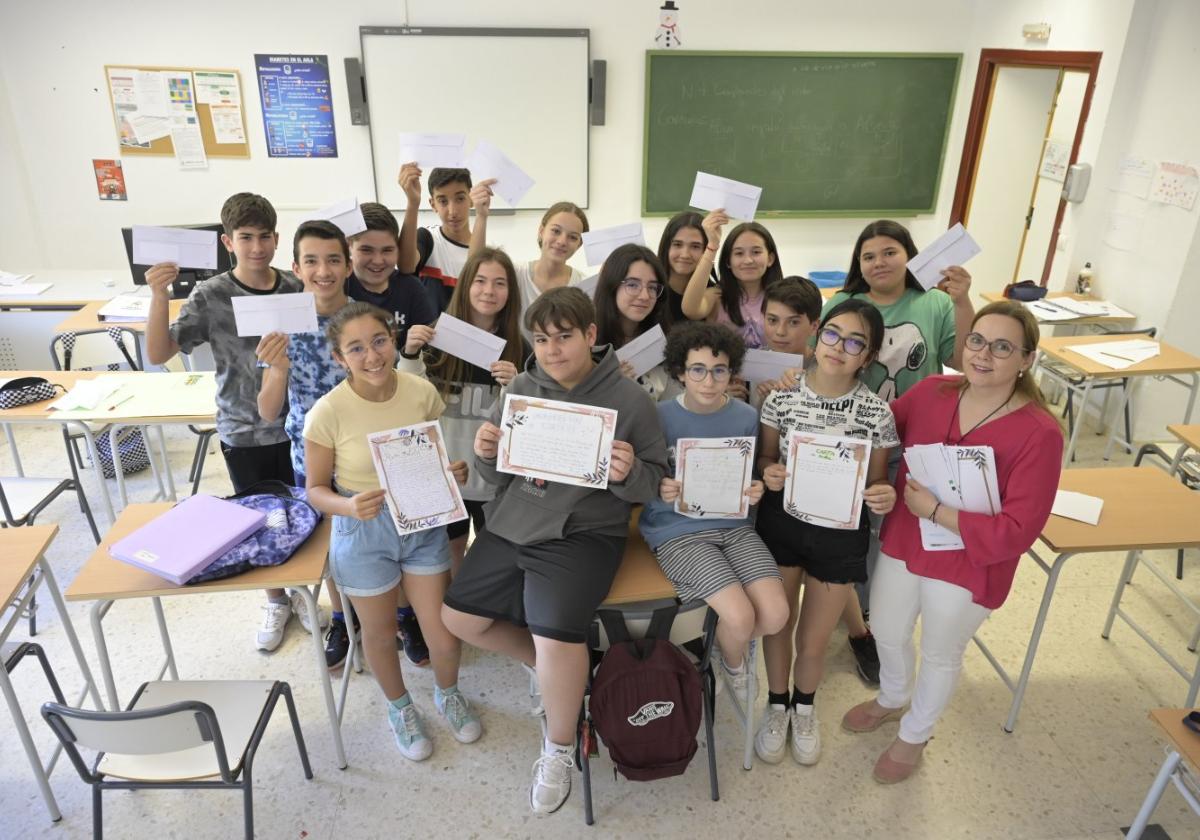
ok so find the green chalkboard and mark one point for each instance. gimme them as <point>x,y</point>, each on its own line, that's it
<point>823,134</point>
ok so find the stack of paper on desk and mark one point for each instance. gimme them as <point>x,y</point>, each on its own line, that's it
<point>1048,310</point>
<point>23,289</point>
<point>961,477</point>
<point>1078,506</point>
<point>118,396</point>
<point>126,308</point>
<point>88,394</point>
<point>9,279</point>
<point>1091,308</point>
<point>1118,355</point>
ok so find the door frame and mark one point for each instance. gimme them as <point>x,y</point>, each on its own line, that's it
<point>990,61</point>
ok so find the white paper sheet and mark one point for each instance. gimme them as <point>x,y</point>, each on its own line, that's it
<point>598,244</point>
<point>430,150</point>
<point>487,161</point>
<point>931,467</point>
<point>714,474</point>
<point>954,247</point>
<point>24,289</point>
<point>1049,311</point>
<point>414,470</point>
<point>262,314</point>
<point>185,247</point>
<point>556,441</point>
<point>466,341</point>
<point>646,351</point>
<point>1078,506</point>
<point>147,128</point>
<point>347,215</point>
<point>143,394</point>
<point>189,147</point>
<point>227,123</point>
<point>88,394</point>
<point>130,307</point>
<point>826,476</point>
<point>10,279</point>
<point>1134,176</point>
<point>712,192</point>
<point>768,365</point>
<point>1091,308</point>
<point>1117,355</point>
<point>150,93</point>
<point>588,285</point>
<point>1177,184</point>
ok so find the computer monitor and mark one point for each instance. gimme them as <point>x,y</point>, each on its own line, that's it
<point>188,277</point>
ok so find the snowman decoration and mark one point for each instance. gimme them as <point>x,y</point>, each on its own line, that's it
<point>668,27</point>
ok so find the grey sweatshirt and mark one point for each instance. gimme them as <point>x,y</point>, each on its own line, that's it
<point>527,511</point>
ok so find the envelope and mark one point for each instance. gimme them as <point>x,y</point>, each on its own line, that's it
<point>768,365</point>
<point>954,247</point>
<point>588,285</point>
<point>262,314</point>
<point>185,247</point>
<point>598,244</point>
<point>646,351</point>
<point>466,341</point>
<point>430,150</point>
<point>347,215</point>
<point>712,192</point>
<point>487,161</point>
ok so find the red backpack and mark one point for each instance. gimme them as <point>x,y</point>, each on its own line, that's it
<point>646,699</point>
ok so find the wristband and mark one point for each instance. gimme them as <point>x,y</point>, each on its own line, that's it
<point>933,514</point>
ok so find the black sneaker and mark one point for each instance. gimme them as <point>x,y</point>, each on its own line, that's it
<point>410,637</point>
<point>867,658</point>
<point>337,643</point>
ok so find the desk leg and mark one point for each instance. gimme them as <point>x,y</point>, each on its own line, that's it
<point>161,618</point>
<point>162,447</point>
<point>99,608</point>
<point>35,760</point>
<point>12,447</point>
<point>1035,639</point>
<point>94,454</point>
<point>310,603</point>
<point>1126,573</point>
<point>1114,436</point>
<point>1069,454</point>
<point>69,628</point>
<point>1153,796</point>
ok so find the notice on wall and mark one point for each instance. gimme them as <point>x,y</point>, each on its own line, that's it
<point>1134,176</point>
<point>1055,159</point>
<point>1177,184</point>
<point>110,180</point>
<point>222,94</point>
<point>297,105</point>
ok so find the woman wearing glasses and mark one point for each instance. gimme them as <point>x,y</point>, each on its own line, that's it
<point>630,301</point>
<point>829,398</point>
<point>995,403</point>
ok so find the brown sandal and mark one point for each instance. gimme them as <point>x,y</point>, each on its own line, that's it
<point>890,771</point>
<point>861,718</point>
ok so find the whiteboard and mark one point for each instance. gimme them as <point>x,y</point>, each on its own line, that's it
<point>524,90</point>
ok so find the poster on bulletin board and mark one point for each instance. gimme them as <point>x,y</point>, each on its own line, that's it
<point>297,105</point>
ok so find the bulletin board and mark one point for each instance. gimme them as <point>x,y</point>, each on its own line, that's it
<point>222,121</point>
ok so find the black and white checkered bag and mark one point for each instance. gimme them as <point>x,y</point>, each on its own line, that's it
<point>25,390</point>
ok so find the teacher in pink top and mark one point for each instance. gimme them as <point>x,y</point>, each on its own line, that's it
<point>995,403</point>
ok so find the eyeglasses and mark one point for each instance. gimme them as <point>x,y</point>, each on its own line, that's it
<point>1001,348</point>
<point>698,373</point>
<point>358,351</point>
<point>830,338</point>
<point>633,288</point>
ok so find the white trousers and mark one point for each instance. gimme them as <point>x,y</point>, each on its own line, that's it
<point>949,618</point>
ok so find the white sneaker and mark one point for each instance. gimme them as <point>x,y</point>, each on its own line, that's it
<point>275,619</point>
<point>551,781</point>
<point>806,736</point>
<point>300,609</point>
<point>738,681</point>
<point>771,739</point>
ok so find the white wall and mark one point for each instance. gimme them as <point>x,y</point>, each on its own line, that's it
<point>51,77</point>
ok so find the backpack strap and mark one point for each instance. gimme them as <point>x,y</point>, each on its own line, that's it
<point>118,338</point>
<point>661,621</point>
<point>614,626</point>
<point>267,487</point>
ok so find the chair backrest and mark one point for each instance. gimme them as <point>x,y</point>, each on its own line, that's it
<point>1149,332</point>
<point>65,350</point>
<point>164,729</point>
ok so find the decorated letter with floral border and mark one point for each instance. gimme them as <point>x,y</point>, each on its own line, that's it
<point>414,470</point>
<point>556,441</point>
<point>714,475</point>
<point>826,476</point>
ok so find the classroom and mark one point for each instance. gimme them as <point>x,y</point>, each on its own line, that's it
<point>519,484</point>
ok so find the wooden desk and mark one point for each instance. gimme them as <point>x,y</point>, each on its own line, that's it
<point>1144,508</point>
<point>22,555</point>
<point>104,580</point>
<point>1083,320</point>
<point>1185,746</point>
<point>1189,436</point>
<point>1171,363</point>
<point>639,578</point>
<point>87,319</point>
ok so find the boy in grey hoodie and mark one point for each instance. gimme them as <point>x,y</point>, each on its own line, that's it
<point>532,580</point>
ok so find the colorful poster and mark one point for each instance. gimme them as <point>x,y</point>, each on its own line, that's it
<point>297,105</point>
<point>1177,184</point>
<point>110,180</point>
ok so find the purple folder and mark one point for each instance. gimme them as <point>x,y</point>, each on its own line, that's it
<point>188,537</point>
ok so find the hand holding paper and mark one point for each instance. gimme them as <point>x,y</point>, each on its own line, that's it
<point>712,192</point>
<point>185,247</point>
<point>952,248</point>
<point>646,351</point>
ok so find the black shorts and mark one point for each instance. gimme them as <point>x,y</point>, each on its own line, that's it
<point>829,555</point>
<point>474,517</point>
<point>248,465</point>
<point>551,587</point>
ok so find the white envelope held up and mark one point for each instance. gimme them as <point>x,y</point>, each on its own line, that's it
<point>954,247</point>
<point>466,341</point>
<point>588,285</point>
<point>430,150</point>
<point>487,161</point>
<point>347,215</point>
<point>185,247</point>
<point>768,365</point>
<point>645,352</point>
<point>1078,506</point>
<point>262,314</point>
<point>598,244</point>
<point>712,192</point>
